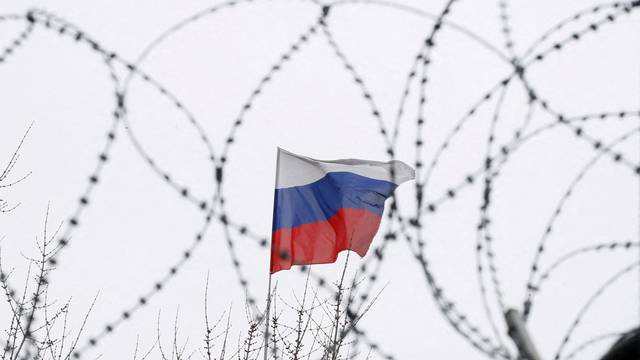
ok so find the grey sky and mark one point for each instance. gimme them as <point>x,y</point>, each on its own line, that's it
<point>136,226</point>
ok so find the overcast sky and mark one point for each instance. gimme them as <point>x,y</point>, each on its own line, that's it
<point>137,226</point>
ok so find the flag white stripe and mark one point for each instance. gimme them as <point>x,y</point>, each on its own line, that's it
<point>296,170</point>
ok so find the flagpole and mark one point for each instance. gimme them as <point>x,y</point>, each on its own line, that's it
<point>268,310</point>
<point>266,332</point>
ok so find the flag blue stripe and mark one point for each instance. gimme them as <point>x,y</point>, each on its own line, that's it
<point>320,200</point>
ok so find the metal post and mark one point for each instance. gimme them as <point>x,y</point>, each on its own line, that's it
<point>520,336</point>
<point>268,310</point>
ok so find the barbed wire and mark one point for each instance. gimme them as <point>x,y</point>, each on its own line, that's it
<point>531,288</point>
<point>608,336</point>
<point>410,227</point>
<point>590,302</point>
<point>601,247</point>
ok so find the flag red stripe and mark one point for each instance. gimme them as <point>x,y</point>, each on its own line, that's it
<point>320,242</point>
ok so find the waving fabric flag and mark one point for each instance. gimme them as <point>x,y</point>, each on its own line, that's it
<point>324,207</point>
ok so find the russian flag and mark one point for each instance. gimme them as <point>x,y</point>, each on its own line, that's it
<point>324,207</point>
